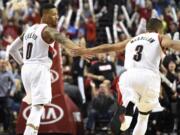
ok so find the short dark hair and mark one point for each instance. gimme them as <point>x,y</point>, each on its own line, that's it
<point>154,24</point>
<point>44,7</point>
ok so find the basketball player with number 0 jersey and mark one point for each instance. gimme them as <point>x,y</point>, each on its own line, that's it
<point>140,83</point>
<point>37,43</point>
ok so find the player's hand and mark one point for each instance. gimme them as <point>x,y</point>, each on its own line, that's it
<point>87,57</point>
<point>79,51</point>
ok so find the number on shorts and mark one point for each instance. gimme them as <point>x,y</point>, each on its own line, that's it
<point>138,55</point>
<point>29,50</point>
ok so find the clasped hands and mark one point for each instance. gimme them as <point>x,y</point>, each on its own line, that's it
<point>81,51</point>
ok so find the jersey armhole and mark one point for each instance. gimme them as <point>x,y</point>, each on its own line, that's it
<point>42,37</point>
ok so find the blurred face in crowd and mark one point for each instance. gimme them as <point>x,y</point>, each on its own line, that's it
<point>2,65</point>
<point>168,11</point>
<point>171,66</point>
<point>173,27</point>
<point>148,4</point>
<point>102,57</point>
<point>122,37</point>
<point>107,83</point>
<point>50,17</point>
<point>104,87</point>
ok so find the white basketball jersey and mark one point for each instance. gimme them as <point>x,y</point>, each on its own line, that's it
<point>143,51</point>
<point>35,49</point>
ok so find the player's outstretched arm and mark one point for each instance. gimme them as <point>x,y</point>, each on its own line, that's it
<point>167,42</point>
<point>102,48</point>
<point>58,37</point>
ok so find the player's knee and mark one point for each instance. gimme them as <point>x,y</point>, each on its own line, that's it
<point>37,108</point>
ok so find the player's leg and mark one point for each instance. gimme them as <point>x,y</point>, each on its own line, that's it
<point>26,80</point>
<point>33,121</point>
<point>123,117</point>
<point>141,125</point>
<point>147,103</point>
<point>41,95</point>
<point>128,117</point>
<point>117,119</point>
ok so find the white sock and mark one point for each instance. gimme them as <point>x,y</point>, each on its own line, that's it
<point>141,125</point>
<point>33,120</point>
<point>30,131</point>
<point>126,124</point>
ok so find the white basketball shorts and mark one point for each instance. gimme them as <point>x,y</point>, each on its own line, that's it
<point>140,86</point>
<point>36,79</point>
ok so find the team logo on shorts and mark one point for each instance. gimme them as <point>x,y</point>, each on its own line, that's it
<point>54,76</point>
<point>52,114</point>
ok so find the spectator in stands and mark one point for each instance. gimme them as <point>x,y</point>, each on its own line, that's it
<point>169,96</point>
<point>67,71</point>
<point>7,88</point>
<point>168,15</point>
<point>10,32</point>
<point>79,64</point>
<point>101,104</point>
<point>90,31</point>
<point>102,70</point>
<point>178,102</point>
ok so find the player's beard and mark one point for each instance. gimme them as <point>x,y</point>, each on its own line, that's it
<point>54,24</point>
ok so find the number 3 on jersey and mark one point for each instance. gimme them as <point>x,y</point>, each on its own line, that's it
<point>29,50</point>
<point>138,55</point>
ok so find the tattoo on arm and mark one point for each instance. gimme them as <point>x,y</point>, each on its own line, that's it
<point>60,38</point>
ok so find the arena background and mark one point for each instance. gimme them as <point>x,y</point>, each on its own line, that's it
<point>84,97</point>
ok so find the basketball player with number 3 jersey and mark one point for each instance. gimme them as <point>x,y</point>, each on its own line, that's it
<point>140,83</point>
<point>37,43</point>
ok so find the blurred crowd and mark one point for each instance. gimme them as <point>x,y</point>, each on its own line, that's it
<point>90,23</point>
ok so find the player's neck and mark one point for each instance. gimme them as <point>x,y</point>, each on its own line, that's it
<point>46,22</point>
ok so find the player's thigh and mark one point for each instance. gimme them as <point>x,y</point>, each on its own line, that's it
<point>127,90</point>
<point>26,80</point>
<point>41,86</point>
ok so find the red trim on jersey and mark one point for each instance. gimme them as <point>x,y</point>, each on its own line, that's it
<point>42,36</point>
<point>119,95</point>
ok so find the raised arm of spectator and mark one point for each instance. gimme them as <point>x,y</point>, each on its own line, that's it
<point>14,49</point>
<point>167,42</point>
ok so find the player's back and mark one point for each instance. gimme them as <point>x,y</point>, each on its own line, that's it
<point>35,49</point>
<point>143,51</point>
